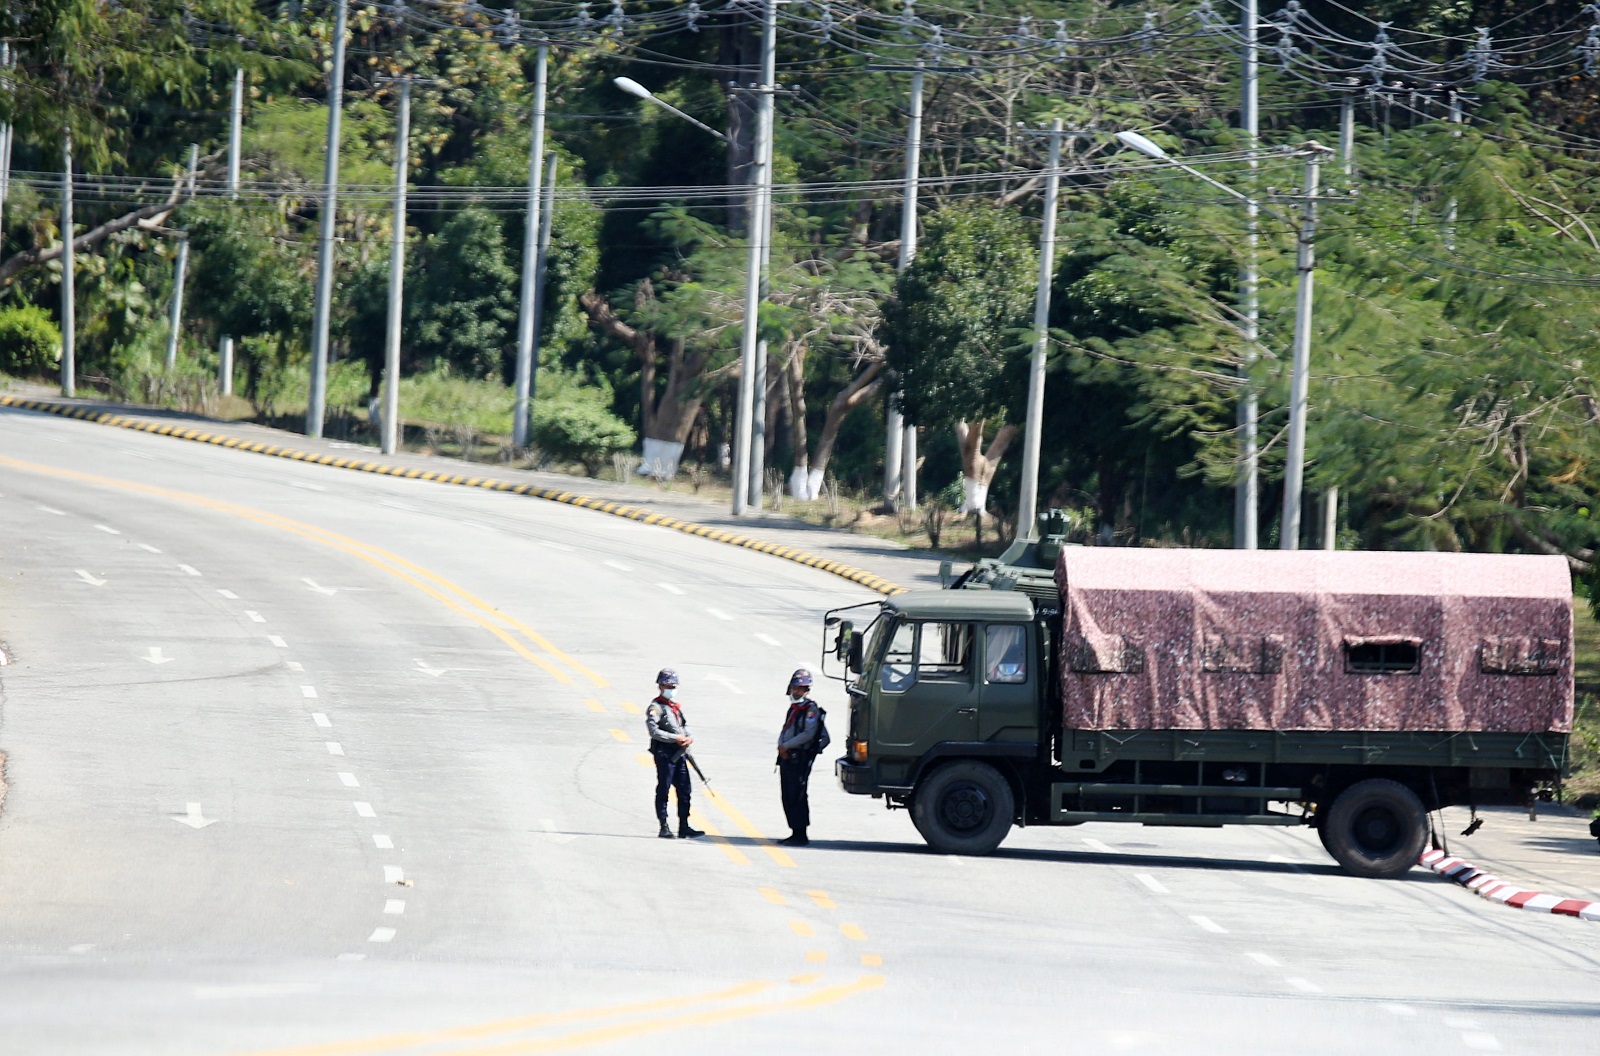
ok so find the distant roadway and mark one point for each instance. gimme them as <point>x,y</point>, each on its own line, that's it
<point>309,761</point>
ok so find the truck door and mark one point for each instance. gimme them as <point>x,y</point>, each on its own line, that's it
<point>1008,709</point>
<point>926,691</point>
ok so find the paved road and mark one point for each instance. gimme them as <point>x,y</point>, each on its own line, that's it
<point>304,760</point>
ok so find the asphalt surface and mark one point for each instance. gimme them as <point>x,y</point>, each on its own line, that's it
<point>313,761</point>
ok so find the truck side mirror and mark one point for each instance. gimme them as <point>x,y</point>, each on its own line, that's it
<point>841,641</point>
<point>853,657</point>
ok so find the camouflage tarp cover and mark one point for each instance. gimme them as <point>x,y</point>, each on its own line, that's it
<point>1314,640</point>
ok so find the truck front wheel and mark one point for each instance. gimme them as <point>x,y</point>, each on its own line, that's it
<point>963,808</point>
<point>1376,828</point>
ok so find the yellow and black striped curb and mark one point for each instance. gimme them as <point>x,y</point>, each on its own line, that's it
<point>616,509</point>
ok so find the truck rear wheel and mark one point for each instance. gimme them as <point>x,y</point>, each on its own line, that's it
<point>1376,828</point>
<point>963,808</point>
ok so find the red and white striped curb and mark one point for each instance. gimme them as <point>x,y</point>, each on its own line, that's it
<point>1495,889</point>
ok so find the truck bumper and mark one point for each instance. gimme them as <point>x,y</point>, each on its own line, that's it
<point>856,779</point>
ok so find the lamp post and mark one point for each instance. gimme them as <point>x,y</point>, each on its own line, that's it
<point>1314,154</point>
<point>760,226</point>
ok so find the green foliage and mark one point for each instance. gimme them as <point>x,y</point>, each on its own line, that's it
<point>30,341</point>
<point>454,404</point>
<point>465,307</point>
<point>572,422</point>
<point>955,326</point>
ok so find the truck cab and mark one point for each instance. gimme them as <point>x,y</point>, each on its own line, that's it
<point>944,675</point>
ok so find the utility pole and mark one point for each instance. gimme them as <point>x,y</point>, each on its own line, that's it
<point>397,271</point>
<point>758,414</point>
<point>1247,491</point>
<point>180,271</point>
<point>896,431</point>
<point>225,365</point>
<point>1347,133</point>
<point>235,130</point>
<point>1305,265</point>
<point>527,336</point>
<point>5,141</point>
<point>541,269</point>
<point>1028,500</point>
<point>759,234</point>
<point>1450,206</point>
<point>325,237</point>
<point>69,312</point>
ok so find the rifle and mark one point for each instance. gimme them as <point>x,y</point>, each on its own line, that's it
<point>696,767</point>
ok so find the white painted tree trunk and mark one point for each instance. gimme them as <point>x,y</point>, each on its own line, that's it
<point>661,458</point>
<point>805,484</point>
<point>976,498</point>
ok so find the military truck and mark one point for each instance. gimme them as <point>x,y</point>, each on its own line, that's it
<point>1354,692</point>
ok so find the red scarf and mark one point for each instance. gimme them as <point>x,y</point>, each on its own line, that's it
<point>676,711</point>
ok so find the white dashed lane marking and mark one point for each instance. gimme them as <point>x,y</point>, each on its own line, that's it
<point>189,570</point>
<point>108,529</point>
<point>230,595</point>
<point>1096,845</point>
<point>394,906</point>
<point>1208,924</point>
<point>1305,985</point>
<point>381,935</point>
<point>255,617</point>
<point>670,589</point>
<point>769,640</point>
<point>349,780</point>
<point>277,641</point>
<point>320,719</point>
<point>335,748</point>
<point>619,566</point>
<point>309,692</point>
<point>1152,883</point>
<point>147,546</point>
<point>393,874</point>
<point>382,842</point>
<point>365,809</point>
<point>52,509</point>
<point>719,614</point>
<point>1263,960</point>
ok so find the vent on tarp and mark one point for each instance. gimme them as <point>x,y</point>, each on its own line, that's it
<point>1520,655</point>
<point>1242,654</point>
<point>1104,654</point>
<point>1383,654</point>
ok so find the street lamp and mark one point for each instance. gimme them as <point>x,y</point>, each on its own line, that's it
<point>1305,265</point>
<point>634,88</point>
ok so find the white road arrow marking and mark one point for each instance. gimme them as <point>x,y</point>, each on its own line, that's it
<point>84,575</point>
<point>427,670</point>
<point>155,656</point>
<point>193,818</point>
<point>726,683</point>
<point>326,591</point>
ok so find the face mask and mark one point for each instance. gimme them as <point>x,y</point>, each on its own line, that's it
<point>669,694</point>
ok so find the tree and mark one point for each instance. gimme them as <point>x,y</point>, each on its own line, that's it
<point>954,333</point>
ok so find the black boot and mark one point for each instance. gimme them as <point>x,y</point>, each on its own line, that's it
<point>666,830</point>
<point>684,831</point>
<point>797,838</point>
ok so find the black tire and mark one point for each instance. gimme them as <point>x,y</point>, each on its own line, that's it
<point>1376,828</point>
<point>963,808</point>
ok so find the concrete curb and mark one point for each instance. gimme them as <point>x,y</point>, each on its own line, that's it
<point>1495,889</point>
<point>616,509</point>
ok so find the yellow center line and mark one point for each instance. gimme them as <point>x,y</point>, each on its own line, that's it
<point>871,960</point>
<point>774,896</point>
<point>776,853</point>
<point>816,956</point>
<point>735,855</point>
<point>369,554</point>
<point>644,759</point>
<point>622,736</point>
<point>594,705</point>
<point>630,707</point>
<point>853,932</point>
<point>822,900</point>
<point>802,928</point>
<point>505,1026</point>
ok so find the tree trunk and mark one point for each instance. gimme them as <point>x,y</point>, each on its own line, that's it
<point>863,388</point>
<point>795,377</point>
<point>977,465</point>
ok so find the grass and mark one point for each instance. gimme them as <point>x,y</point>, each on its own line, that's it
<point>1583,787</point>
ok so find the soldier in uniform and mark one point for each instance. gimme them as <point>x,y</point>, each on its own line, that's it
<point>797,750</point>
<point>669,745</point>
